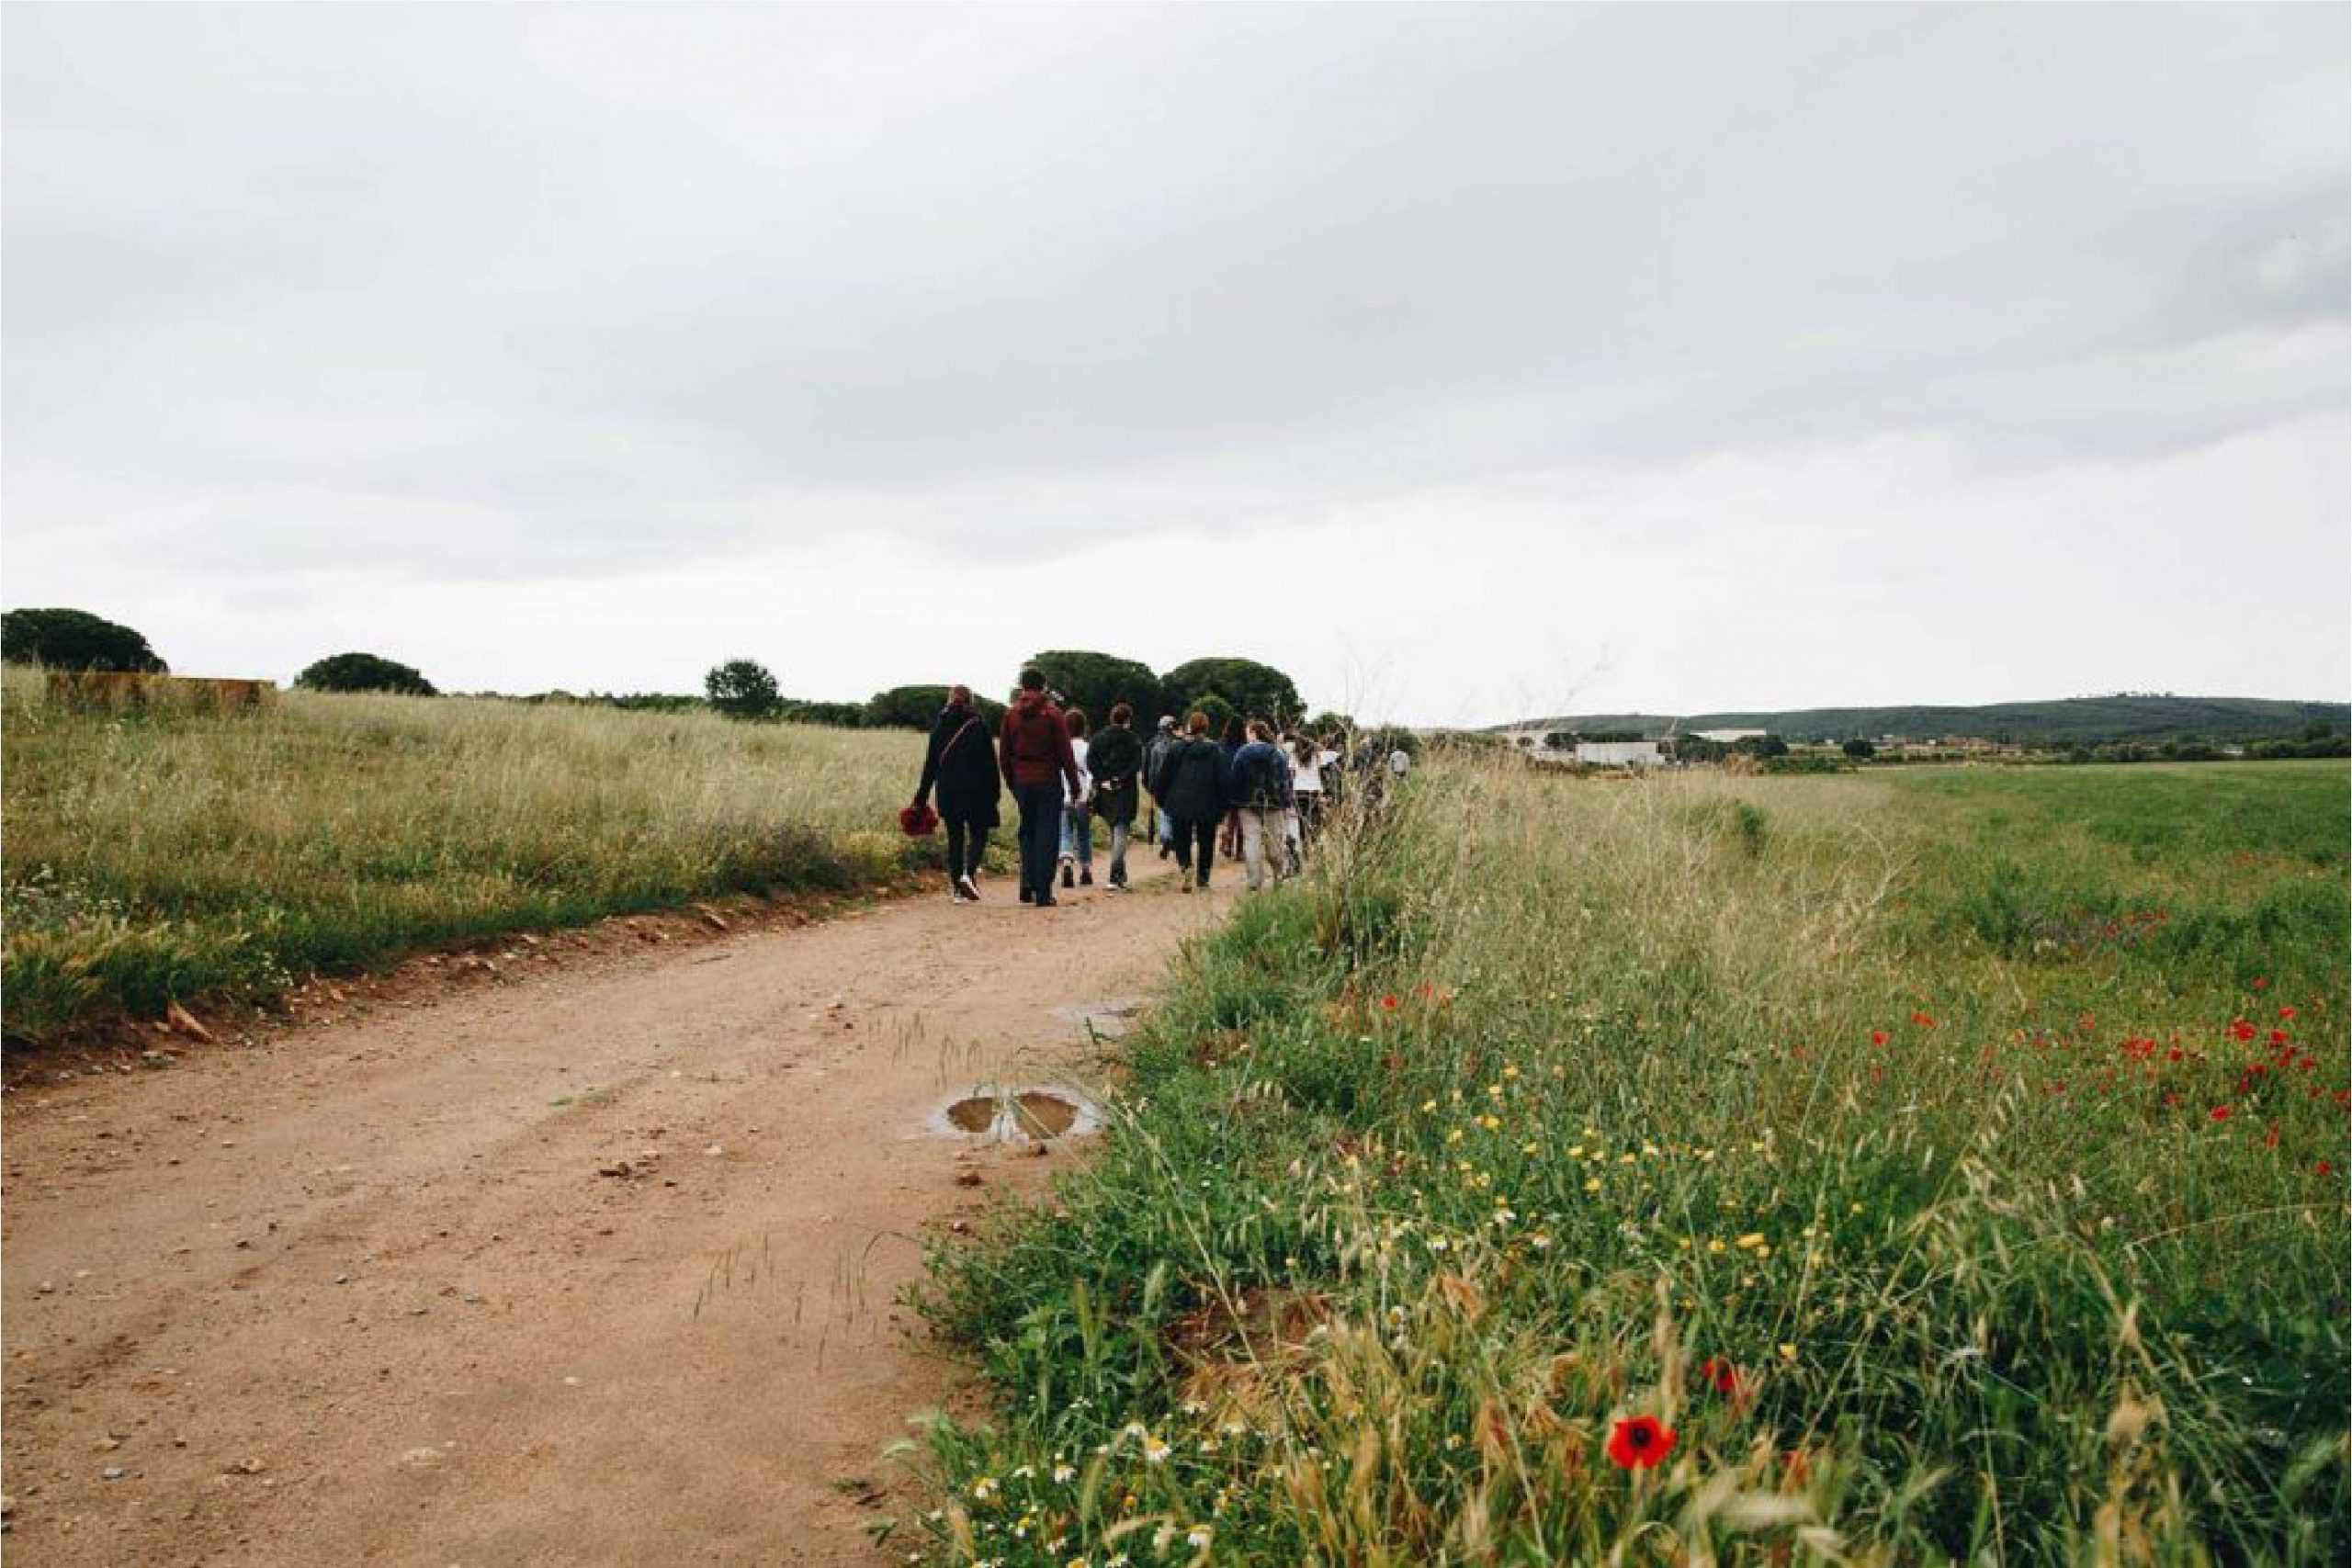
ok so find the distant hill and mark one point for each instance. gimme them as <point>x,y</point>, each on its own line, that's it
<point>2090,720</point>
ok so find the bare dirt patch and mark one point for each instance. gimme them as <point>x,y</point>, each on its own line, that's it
<point>581,1260</point>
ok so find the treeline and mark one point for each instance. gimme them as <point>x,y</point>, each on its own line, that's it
<point>1223,687</point>
<point>2316,740</point>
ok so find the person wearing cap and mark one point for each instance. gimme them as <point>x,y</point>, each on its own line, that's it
<point>1164,826</point>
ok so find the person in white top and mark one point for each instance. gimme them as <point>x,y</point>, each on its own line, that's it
<point>1078,811</point>
<point>1306,762</point>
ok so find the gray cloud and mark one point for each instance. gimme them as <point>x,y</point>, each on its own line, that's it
<point>489,292</point>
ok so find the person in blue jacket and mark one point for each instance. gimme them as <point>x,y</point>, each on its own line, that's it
<point>1260,791</point>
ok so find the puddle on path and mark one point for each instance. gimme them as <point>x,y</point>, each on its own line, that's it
<point>1018,1115</point>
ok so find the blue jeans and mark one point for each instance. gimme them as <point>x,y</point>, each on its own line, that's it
<point>1041,815</point>
<point>1078,833</point>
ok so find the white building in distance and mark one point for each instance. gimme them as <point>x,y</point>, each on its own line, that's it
<point>1592,753</point>
<point>1620,754</point>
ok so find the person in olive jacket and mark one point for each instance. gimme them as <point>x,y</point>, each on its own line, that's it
<point>962,764</point>
<point>1116,759</point>
<point>1190,787</point>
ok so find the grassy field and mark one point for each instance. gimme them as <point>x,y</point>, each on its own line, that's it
<point>154,857</point>
<point>1903,1169</point>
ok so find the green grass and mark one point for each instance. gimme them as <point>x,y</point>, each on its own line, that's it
<point>1893,1096</point>
<point>154,857</point>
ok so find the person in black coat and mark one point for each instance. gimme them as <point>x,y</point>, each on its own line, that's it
<point>1190,787</point>
<point>1116,759</point>
<point>961,762</point>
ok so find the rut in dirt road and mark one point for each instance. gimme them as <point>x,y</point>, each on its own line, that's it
<point>594,1268</point>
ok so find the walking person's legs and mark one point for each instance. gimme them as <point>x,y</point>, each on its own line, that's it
<point>1081,835</point>
<point>956,826</point>
<point>967,867</point>
<point>1040,810</point>
<point>1203,836</point>
<point>1023,835</point>
<point>1262,846</point>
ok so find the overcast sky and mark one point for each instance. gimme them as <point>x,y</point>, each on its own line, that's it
<point>1464,361</point>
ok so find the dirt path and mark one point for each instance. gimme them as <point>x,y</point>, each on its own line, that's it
<point>361,1294</point>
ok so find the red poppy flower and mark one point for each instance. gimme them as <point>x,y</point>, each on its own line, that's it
<point>1640,1443</point>
<point>1923,1020</point>
<point>1877,1036</point>
<point>2287,1013</point>
<point>2241,1030</point>
<point>2221,1114</point>
<point>2260,984</point>
<point>2279,1037</point>
<point>2270,1139</point>
<point>2325,1169</point>
<point>1722,1375</point>
<point>1389,1001</point>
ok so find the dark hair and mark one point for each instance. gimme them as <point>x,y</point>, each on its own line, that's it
<point>1033,678</point>
<point>1121,713</point>
<point>1233,731</point>
<point>1076,719</point>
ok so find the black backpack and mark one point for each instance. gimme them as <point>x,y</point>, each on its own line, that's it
<point>1265,783</point>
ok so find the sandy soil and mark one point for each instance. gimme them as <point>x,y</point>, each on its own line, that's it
<point>594,1264</point>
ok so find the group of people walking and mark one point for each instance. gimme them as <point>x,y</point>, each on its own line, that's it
<point>1263,794</point>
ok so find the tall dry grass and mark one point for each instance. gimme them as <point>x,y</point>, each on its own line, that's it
<point>1861,1132</point>
<point>151,855</point>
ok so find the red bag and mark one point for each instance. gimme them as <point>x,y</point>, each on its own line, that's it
<point>917,821</point>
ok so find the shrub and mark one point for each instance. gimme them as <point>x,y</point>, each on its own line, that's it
<point>743,688</point>
<point>914,707</point>
<point>1256,691</point>
<point>830,715</point>
<point>75,640</point>
<point>1095,682</point>
<point>364,672</point>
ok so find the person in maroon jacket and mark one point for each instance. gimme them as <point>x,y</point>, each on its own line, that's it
<point>1035,753</point>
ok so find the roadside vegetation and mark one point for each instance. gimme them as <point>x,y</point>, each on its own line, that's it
<point>1901,1168</point>
<point>155,855</point>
